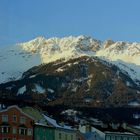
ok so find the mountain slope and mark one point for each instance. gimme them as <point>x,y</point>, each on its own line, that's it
<point>15,60</point>
<point>19,58</point>
<point>123,54</point>
<point>83,81</point>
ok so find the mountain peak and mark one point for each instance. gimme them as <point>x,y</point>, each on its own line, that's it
<point>70,43</point>
<point>40,38</point>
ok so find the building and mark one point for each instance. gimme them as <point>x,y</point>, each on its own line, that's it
<point>111,133</point>
<point>43,132</point>
<point>65,134</point>
<point>84,128</point>
<point>121,136</point>
<point>15,124</point>
<point>134,129</point>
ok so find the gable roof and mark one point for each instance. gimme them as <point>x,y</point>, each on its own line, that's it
<point>20,110</point>
<point>33,112</point>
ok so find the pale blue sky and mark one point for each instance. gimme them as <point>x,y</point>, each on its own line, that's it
<point>22,20</point>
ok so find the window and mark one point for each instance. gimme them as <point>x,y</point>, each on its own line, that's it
<point>5,138</point>
<point>22,120</point>
<point>107,137</point>
<point>124,138</point>
<point>66,137</point>
<point>14,118</point>
<point>112,137</point>
<point>38,137</point>
<point>30,132</point>
<point>14,139</point>
<point>135,138</point>
<point>130,138</point>
<point>4,118</point>
<point>59,135</point>
<point>22,131</point>
<point>14,130</point>
<point>5,129</point>
<point>71,137</point>
<point>118,138</point>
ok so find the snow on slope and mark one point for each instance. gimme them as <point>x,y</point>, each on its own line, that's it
<point>128,52</point>
<point>14,61</point>
<point>55,124</point>
<point>39,89</point>
<point>21,90</point>
<point>57,48</point>
<point>123,54</point>
<point>17,59</point>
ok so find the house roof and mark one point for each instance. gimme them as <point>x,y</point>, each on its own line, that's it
<point>37,115</point>
<point>124,133</point>
<point>110,130</point>
<point>20,110</point>
<point>43,125</point>
<point>54,123</point>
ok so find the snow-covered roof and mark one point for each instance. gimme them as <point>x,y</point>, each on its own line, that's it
<point>20,110</point>
<point>54,123</point>
<point>120,133</point>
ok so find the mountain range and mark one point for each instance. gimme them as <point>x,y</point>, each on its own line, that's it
<point>72,71</point>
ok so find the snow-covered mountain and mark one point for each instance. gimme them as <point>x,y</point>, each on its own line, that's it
<point>59,48</point>
<point>16,59</point>
<point>126,55</point>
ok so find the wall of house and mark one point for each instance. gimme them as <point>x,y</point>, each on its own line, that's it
<point>62,134</point>
<point>11,124</point>
<point>117,136</point>
<point>43,133</point>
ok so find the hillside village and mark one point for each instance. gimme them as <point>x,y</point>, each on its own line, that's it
<point>28,123</point>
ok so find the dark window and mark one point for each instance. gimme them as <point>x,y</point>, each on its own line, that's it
<point>66,137</point>
<point>22,131</point>
<point>14,118</point>
<point>59,135</point>
<point>5,138</point>
<point>5,129</point>
<point>71,137</point>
